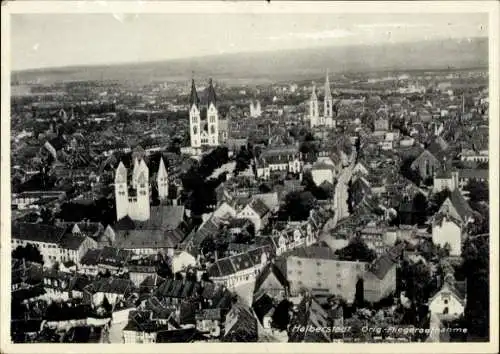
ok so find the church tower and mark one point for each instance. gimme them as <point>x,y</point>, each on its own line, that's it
<point>328,102</point>
<point>135,174</point>
<point>194,117</point>
<point>121,191</point>
<point>313,108</point>
<point>140,209</point>
<point>212,116</point>
<point>162,181</point>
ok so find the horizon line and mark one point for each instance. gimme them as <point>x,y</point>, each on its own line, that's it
<point>125,63</point>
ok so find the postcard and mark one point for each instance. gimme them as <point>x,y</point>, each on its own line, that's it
<point>249,176</point>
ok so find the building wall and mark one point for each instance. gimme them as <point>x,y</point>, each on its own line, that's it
<point>336,277</point>
<point>249,214</point>
<point>448,232</point>
<point>381,124</point>
<point>138,337</point>
<point>50,252</point>
<point>426,165</point>
<point>245,276</point>
<point>322,175</point>
<point>440,184</point>
<point>445,299</point>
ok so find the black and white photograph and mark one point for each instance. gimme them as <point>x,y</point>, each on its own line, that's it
<point>251,175</point>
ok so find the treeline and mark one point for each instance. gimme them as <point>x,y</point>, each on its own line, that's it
<point>199,191</point>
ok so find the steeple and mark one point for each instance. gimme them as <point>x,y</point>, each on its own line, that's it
<point>121,173</point>
<point>162,171</point>
<point>193,98</point>
<point>313,95</point>
<point>211,97</point>
<point>328,93</point>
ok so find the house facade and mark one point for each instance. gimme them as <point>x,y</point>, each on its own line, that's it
<point>239,269</point>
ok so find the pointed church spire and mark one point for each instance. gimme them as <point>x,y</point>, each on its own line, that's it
<point>121,173</point>
<point>313,95</point>
<point>162,171</point>
<point>328,93</point>
<point>193,98</point>
<point>211,98</point>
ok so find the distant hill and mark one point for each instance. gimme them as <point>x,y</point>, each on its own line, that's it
<point>294,64</point>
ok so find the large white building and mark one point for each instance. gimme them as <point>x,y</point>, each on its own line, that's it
<point>255,109</point>
<point>314,116</point>
<point>133,200</point>
<point>203,118</point>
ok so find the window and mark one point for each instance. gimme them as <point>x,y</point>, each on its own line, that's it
<point>446,302</point>
<point>445,310</point>
<point>299,272</point>
<point>299,263</point>
<point>318,274</point>
<point>337,264</point>
<point>195,130</point>
<point>339,286</point>
<point>339,275</point>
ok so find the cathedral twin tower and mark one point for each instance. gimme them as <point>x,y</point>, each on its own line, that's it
<point>203,118</point>
<point>315,118</point>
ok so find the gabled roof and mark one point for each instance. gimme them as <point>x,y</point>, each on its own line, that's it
<point>259,207</point>
<point>461,205</point>
<point>244,329</point>
<point>381,266</point>
<point>37,232</point>
<point>457,288</point>
<point>310,313</point>
<point>268,270</point>
<point>71,242</point>
<point>111,286</point>
<point>236,263</point>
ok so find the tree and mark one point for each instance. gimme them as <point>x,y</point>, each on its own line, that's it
<point>298,205</point>
<point>478,191</point>
<point>28,253</point>
<point>356,250</point>
<point>410,173</point>
<point>420,206</point>
<point>476,266</point>
<point>437,200</point>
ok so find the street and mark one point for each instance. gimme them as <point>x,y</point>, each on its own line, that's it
<point>340,199</point>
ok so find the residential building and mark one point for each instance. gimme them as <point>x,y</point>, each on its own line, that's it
<point>449,301</point>
<point>257,212</point>
<point>239,269</point>
<point>56,244</point>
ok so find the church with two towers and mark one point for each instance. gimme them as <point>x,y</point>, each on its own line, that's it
<point>315,118</point>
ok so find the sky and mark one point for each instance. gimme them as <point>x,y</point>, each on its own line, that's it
<point>56,40</point>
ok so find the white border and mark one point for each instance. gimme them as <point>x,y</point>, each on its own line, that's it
<point>260,7</point>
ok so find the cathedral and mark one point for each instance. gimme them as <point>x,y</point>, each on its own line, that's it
<point>325,120</point>
<point>203,118</point>
<point>255,109</point>
<point>132,199</point>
